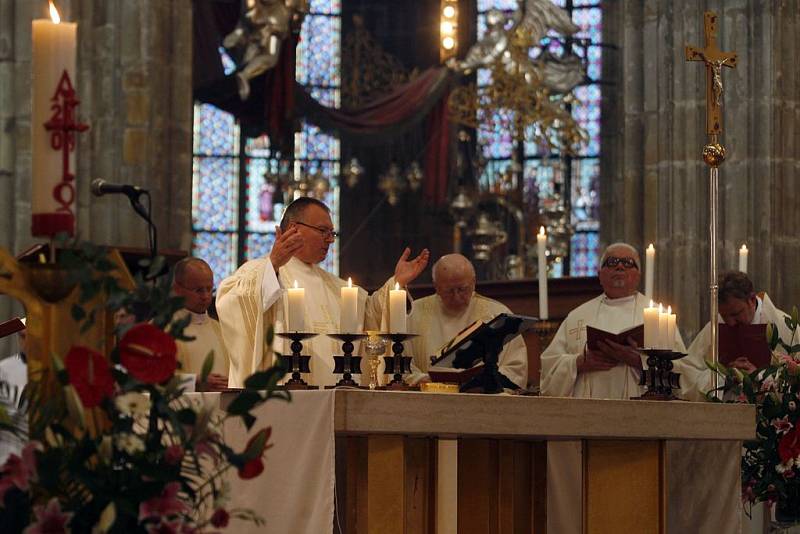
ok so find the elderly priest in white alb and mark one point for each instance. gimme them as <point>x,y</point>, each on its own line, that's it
<point>440,317</point>
<point>570,369</point>
<point>253,297</point>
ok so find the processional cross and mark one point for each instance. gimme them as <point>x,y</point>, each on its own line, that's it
<point>713,151</point>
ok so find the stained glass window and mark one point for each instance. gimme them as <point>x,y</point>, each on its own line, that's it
<point>235,208</point>
<point>572,178</point>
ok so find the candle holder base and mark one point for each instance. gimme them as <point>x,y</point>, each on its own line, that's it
<point>658,378</point>
<point>347,365</point>
<point>297,363</point>
<point>397,365</point>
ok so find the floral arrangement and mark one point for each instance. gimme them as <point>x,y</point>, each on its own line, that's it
<point>118,446</point>
<point>771,463</point>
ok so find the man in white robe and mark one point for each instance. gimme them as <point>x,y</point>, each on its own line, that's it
<point>253,299</point>
<point>570,369</point>
<point>194,281</point>
<point>738,304</point>
<point>14,372</point>
<point>438,318</point>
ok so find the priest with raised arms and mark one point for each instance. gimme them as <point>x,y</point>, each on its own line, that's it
<point>254,297</point>
<point>570,369</point>
<point>438,318</point>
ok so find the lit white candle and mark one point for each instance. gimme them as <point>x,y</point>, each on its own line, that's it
<point>743,258</point>
<point>348,318</point>
<point>649,270</point>
<point>397,310</point>
<point>651,326</point>
<point>541,244</point>
<point>671,326</point>
<point>663,342</point>
<point>52,54</point>
<point>297,308</point>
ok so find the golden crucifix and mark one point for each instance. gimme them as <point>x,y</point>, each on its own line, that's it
<point>714,59</point>
<point>713,151</point>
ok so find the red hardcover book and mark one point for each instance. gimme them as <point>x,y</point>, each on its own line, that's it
<point>744,340</point>
<point>595,335</point>
<point>11,326</point>
<point>450,375</point>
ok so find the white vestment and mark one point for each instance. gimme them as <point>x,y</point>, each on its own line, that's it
<point>436,327</point>
<point>208,336</point>
<point>560,378</point>
<point>14,372</point>
<point>254,297</point>
<point>700,349</point>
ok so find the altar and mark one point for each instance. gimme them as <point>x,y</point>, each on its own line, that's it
<point>392,462</point>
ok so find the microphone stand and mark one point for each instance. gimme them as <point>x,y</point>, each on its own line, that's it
<point>152,231</point>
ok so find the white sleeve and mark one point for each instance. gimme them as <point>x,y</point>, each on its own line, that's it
<point>270,286</point>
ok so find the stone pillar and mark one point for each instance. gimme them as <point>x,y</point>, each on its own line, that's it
<point>654,183</point>
<point>135,84</point>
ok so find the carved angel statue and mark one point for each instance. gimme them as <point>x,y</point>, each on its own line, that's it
<point>259,34</point>
<point>531,20</point>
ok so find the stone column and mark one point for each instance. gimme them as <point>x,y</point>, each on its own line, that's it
<point>654,183</point>
<point>135,84</point>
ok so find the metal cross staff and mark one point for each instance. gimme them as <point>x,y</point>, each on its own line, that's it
<point>713,151</point>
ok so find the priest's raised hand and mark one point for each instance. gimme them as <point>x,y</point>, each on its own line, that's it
<point>406,271</point>
<point>287,244</point>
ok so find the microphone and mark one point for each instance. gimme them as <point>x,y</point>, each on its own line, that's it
<point>100,187</point>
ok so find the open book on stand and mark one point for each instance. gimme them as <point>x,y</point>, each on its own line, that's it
<point>462,358</point>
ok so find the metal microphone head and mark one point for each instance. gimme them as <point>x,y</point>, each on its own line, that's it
<point>97,187</point>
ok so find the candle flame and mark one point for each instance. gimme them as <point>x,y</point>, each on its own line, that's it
<point>54,13</point>
<point>541,230</point>
<point>660,308</point>
<point>651,247</point>
<point>744,248</point>
<point>349,282</point>
<point>296,286</point>
<point>396,286</point>
<point>652,304</point>
<point>669,310</point>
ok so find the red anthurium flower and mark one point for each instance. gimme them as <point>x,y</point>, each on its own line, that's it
<point>789,446</point>
<point>148,353</point>
<point>90,375</point>
<point>251,469</point>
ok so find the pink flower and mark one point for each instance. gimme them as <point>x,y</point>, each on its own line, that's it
<point>782,425</point>
<point>768,384</point>
<point>49,519</point>
<point>220,518</point>
<point>748,492</point>
<point>165,505</point>
<point>173,455</point>
<point>791,364</point>
<point>19,471</point>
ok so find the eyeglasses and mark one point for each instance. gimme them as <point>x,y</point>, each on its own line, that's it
<point>327,233</point>
<point>613,261</point>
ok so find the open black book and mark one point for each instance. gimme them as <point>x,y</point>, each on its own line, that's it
<point>594,336</point>
<point>473,353</point>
